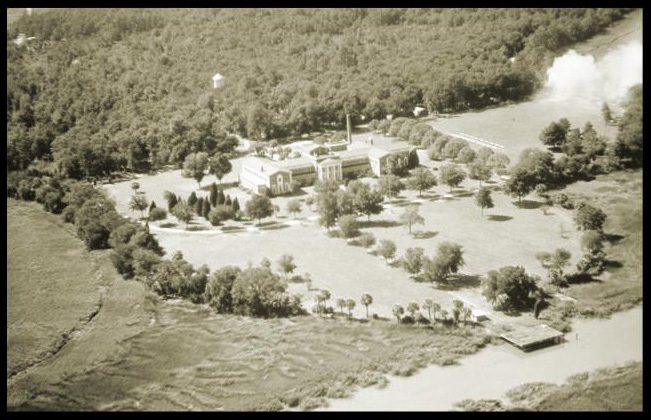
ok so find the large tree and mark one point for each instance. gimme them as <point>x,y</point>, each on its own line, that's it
<point>194,166</point>
<point>421,180</point>
<point>514,284</point>
<point>484,199</point>
<point>413,260</point>
<point>479,171</point>
<point>220,165</point>
<point>328,209</point>
<point>259,207</point>
<point>184,213</point>
<point>448,260</point>
<point>554,134</point>
<point>452,175</point>
<point>520,183</point>
<point>390,185</point>
<point>588,217</point>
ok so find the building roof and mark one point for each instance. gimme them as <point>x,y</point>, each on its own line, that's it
<point>524,337</point>
<point>306,146</point>
<point>217,76</point>
<point>294,162</point>
<point>377,153</point>
<point>263,167</point>
<point>354,153</point>
<point>331,159</point>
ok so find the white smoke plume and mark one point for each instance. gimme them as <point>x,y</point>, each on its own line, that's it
<point>576,76</point>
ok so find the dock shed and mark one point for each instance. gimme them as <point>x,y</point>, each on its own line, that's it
<point>530,338</point>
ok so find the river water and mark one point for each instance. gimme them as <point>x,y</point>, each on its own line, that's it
<point>497,369</point>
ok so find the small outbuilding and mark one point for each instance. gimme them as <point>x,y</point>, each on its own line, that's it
<point>217,81</point>
<point>529,338</point>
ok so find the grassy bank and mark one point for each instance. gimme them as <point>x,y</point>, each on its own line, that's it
<point>619,195</point>
<point>616,388</point>
<point>192,359</point>
<point>53,284</point>
<point>68,309</point>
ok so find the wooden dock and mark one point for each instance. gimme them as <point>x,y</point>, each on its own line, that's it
<point>529,338</point>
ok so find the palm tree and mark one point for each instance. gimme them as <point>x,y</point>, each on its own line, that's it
<point>429,305</point>
<point>366,300</point>
<point>325,295</point>
<point>318,299</point>
<point>436,308</point>
<point>350,304</point>
<point>456,310</point>
<point>412,308</point>
<point>466,313</point>
<point>444,314</point>
<point>341,303</point>
<point>398,311</point>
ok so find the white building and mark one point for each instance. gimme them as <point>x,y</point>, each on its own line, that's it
<point>217,81</point>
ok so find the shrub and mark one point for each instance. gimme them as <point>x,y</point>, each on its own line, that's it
<point>157,214</point>
<point>366,240</point>
<point>219,214</point>
<point>588,217</point>
<point>348,225</point>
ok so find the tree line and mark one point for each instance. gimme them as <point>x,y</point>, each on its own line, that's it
<point>132,90</point>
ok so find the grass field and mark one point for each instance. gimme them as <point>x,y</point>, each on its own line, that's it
<point>507,235</point>
<point>619,195</point>
<point>138,353</point>
<point>518,126</point>
<point>67,309</point>
<point>192,359</point>
<point>53,284</point>
<point>615,388</point>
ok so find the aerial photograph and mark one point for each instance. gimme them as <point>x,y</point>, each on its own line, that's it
<point>324,209</point>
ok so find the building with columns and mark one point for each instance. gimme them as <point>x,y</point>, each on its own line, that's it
<point>322,162</point>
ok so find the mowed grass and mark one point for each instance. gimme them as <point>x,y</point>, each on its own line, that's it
<point>619,195</point>
<point>506,235</point>
<point>193,359</point>
<point>53,284</point>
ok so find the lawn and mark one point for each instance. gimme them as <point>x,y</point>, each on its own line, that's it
<point>506,235</point>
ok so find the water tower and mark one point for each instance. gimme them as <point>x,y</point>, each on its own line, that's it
<point>217,81</point>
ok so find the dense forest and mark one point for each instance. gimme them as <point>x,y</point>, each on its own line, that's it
<point>100,90</point>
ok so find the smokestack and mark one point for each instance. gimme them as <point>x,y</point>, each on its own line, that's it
<point>349,137</point>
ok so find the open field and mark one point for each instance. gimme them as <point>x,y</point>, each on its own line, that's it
<point>53,284</point>
<point>192,359</point>
<point>67,308</point>
<point>517,126</point>
<point>619,195</point>
<point>507,235</point>
<point>615,388</point>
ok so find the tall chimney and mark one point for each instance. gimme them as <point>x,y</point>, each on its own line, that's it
<point>349,136</point>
